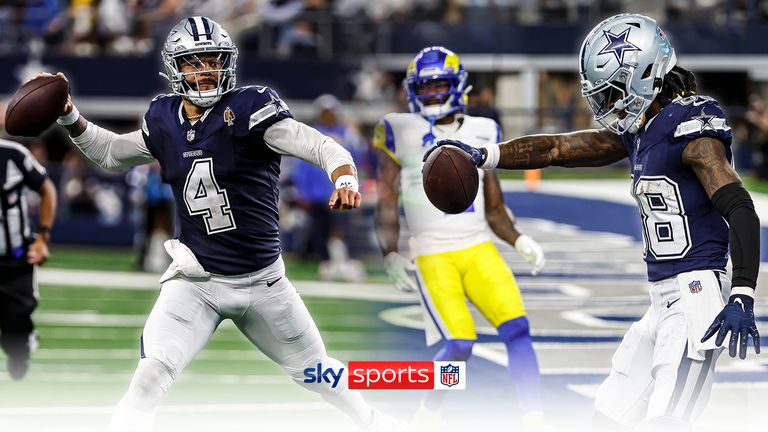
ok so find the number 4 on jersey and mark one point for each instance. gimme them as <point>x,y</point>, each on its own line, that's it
<point>204,197</point>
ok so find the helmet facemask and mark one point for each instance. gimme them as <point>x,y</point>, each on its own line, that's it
<point>191,43</point>
<point>613,103</point>
<point>201,68</point>
<point>451,100</point>
<point>431,67</point>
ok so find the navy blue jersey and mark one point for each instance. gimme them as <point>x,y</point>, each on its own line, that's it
<point>682,230</point>
<point>224,177</point>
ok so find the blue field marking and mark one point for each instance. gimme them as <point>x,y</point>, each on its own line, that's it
<point>605,276</point>
<point>631,318</point>
<point>590,214</point>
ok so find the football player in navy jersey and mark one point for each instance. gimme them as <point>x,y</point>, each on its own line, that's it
<point>219,147</point>
<point>691,204</point>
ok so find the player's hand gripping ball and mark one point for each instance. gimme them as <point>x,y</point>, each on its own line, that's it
<point>450,177</point>
<point>36,105</point>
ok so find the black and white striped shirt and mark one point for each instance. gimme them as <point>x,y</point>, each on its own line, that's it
<point>18,169</point>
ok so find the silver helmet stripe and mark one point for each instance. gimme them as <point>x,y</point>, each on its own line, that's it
<point>206,27</point>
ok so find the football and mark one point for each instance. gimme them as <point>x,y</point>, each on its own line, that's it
<point>35,105</point>
<point>450,179</point>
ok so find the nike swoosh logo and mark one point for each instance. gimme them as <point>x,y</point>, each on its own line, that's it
<point>670,303</point>
<point>269,284</point>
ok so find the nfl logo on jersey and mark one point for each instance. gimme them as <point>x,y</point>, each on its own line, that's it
<point>695,286</point>
<point>449,375</point>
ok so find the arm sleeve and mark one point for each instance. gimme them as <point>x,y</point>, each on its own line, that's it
<point>34,173</point>
<point>289,137</point>
<point>112,151</point>
<point>736,206</point>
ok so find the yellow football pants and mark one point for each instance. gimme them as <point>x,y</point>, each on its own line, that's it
<point>477,273</point>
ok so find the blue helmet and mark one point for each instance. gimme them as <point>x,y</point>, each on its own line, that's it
<point>432,64</point>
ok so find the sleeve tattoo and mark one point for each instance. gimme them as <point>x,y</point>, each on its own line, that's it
<point>589,148</point>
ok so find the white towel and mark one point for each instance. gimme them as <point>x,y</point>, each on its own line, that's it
<point>184,262</point>
<point>701,299</point>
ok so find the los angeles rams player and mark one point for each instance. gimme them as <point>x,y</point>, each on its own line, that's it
<point>219,147</point>
<point>679,147</point>
<point>455,257</point>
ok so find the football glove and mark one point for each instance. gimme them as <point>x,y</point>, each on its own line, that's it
<point>737,317</point>
<point>531,252</point>
<point>400,269</point>
<point>477,155</point>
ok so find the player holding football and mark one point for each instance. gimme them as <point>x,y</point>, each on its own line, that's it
<point>691,201</point>
<point>455,257</point>
<point>219,147</point>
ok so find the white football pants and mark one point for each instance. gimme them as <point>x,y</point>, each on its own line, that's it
<point>652,374</point>
<point>265,307</point>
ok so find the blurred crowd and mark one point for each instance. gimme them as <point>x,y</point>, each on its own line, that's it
<point>288,28</point>
<point>753,133</point>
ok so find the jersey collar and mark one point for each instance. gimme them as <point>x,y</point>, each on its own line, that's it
<point>182,118</point>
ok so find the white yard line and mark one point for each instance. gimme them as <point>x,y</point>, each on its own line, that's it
<point>192,409</point>
<point>144,281</point>
<point>122,377</point>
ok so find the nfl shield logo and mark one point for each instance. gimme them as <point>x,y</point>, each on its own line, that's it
<point>191,135</point>
<point>449,375</point>
<point>695,286</point>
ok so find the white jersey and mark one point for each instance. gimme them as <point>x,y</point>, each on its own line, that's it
<point>404,137</point>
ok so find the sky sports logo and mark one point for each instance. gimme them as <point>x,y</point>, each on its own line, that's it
<point>392,375</point>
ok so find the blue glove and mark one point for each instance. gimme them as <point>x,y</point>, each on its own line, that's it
<point>738,317</point>
<point>476,154</point>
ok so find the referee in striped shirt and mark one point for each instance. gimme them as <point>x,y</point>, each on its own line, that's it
<point>20,251</point>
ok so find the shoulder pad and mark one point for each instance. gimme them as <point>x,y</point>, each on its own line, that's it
<point>700,116</point>
<point>262,103</point>
<point>384,137</point>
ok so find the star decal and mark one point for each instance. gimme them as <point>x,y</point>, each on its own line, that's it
<point>276,102</point>
<point>618,45</point>
<point>705,119</point>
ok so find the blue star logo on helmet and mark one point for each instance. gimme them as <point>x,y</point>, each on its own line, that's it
<point>618,45</point>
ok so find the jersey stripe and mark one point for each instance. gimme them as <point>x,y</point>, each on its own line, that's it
<point>261,115</point>
<point>693,126</point>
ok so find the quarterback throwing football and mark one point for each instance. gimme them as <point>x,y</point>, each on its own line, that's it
<point>691,202</point>
<point>219,147</point>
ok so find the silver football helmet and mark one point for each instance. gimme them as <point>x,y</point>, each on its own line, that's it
<point>622,65</point>
<point>186,43</point>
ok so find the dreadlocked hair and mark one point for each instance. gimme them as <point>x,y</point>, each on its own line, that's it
<point>678,82</point>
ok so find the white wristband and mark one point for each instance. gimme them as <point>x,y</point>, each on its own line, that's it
<point>347,182</point>
<point>746,291</point>
<point>70,118</point>
<point>492,156</point>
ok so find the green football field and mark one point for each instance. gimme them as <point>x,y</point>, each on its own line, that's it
<point>89,346</point>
